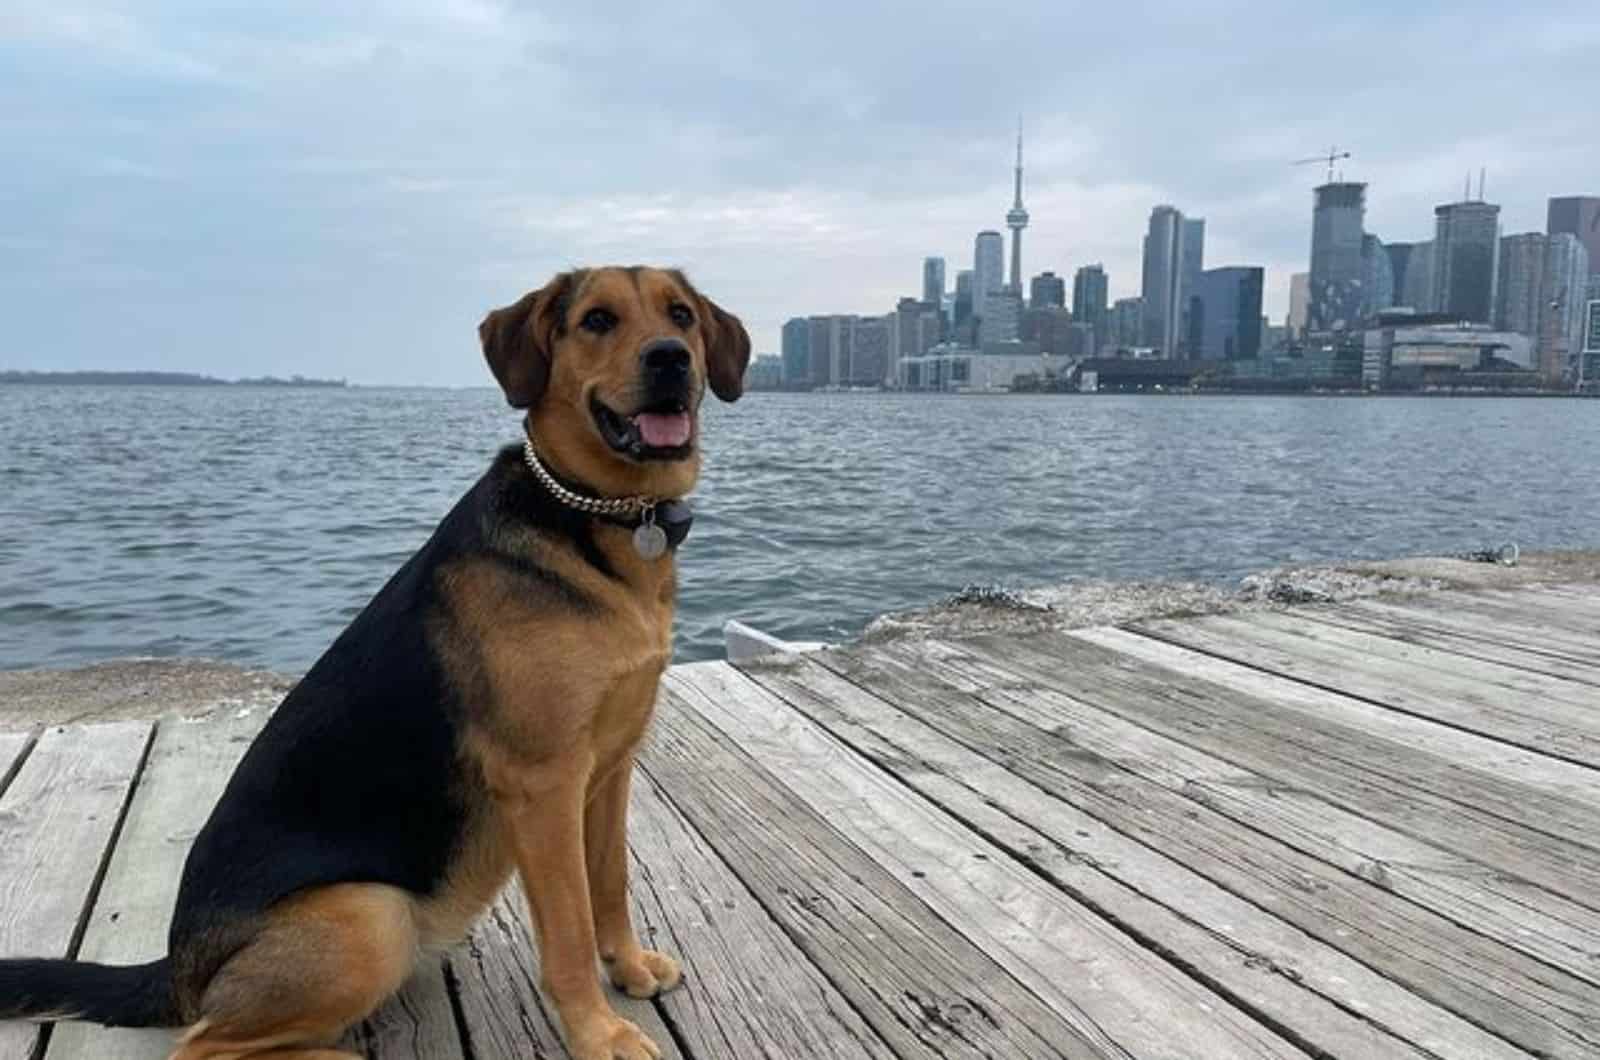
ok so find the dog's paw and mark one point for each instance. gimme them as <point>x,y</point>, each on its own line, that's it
<point>611,1037</point>
<point>651,973</point>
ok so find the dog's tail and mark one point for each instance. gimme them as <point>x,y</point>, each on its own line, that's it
<point>139,995</point>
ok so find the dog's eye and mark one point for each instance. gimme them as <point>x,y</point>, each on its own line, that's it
<point>598,321</point>
<point>681,315</point>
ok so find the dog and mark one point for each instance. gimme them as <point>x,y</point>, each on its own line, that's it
<point>478,718</point>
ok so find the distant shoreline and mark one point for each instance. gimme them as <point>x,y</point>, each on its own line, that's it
<point>157,379</point>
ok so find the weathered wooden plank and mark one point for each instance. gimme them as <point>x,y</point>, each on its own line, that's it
<point>1077,960</point>
<point>1519,782</point>
<point>1553,727</point>
<point>57,818</point>
<point>1367,776</point>
<point>1486,899</point>
<point>1472,618</point>
<point>921,985</point>
<point>1253,838</point>
<point>495,976</point>
<point>1542,696</point>
<point>1475,639</point>
<point>14,746</point>
<point>1581,601</point>
<point>1553,696</point>
<point>748,990</point>
<point>1521,614</point>
<point>1309,989</point>
<point>188,766</point>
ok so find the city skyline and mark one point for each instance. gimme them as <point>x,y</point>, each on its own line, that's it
<point>1480,306</point>
<point>345,194</point>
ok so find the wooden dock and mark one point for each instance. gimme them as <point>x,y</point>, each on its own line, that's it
<point>1359,831</point>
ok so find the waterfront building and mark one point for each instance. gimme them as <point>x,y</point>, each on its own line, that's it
<point>1299,304</point>
<point>1377,278</point>
<point>1337,284</point>
<point>1089,290</point>
<point>1192,265</point>
<point>963,303</point>
<point>1126,321</point>
<point>1227,314</point>
<point>1002,316</point>
<point>1163,281</point>
<point>796,354</point>
<point>1466,257</point>
<point>1577,215</point>
<point>988,265</point>
<point>1047,289</point>
<point>933,281</point>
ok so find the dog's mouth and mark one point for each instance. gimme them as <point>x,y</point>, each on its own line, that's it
<point>663,430</point>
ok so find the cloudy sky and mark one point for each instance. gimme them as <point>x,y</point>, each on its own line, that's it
<point>337,188</point>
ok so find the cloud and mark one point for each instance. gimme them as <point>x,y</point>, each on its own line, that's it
<point>323,188</point>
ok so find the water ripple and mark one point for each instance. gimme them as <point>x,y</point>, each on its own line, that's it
<point>252,525</point>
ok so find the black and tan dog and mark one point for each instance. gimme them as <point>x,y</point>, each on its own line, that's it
<point>479,717</point>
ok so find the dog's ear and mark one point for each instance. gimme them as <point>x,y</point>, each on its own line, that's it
<point>518,340</point>
<point>727,350</point>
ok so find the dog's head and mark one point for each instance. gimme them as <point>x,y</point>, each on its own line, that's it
<point>611,365</point>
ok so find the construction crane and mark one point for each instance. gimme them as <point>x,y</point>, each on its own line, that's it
<point>1333,155</point>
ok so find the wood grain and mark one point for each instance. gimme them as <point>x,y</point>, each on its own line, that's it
<point>748,990</point>
<point>57,819</point>
<point>1185,805</point>
<point>1074,959</point>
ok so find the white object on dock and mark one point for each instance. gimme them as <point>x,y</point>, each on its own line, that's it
<point>744,643</point>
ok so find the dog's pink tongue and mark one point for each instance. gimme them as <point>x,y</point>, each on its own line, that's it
<point>663,430</point>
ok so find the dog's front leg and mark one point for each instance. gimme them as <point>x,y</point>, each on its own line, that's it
<point>635,970</point>
<point>546,832</point>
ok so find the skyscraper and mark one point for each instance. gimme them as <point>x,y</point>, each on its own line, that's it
<point>964,303</point>
<point>1126,322</point>
<point>1194,261</point>
<point>1163,281</point>
<point>1541,295</point>
<point>1418,290</point>
<point>1377,284</point>
<point>869,362</point>
<point>1466,257</point>
<point>1578,215</point>
<point>1589,357</point>
<point>796,352</point>
<point>1410,266</point>
<point>1338,268</point>
<point>914,328</point>
<point>1050,326</point>
<point>1227,313</point>
<point>823,348</point>
<point>1047,289</point>
<point>1089,289</point>
<point>988,265</point>
<point>1002,317</point>
<point>1522,262</point>
<point>1299,303</point>
<point>933,281</point>
<point>1017,220</point>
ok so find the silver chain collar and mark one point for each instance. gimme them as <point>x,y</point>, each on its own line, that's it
<point>593,505</point>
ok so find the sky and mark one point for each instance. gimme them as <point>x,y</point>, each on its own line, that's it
<point>343,189</point>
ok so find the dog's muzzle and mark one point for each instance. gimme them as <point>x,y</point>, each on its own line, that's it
<point>662,428</point>
<point>665,365</point>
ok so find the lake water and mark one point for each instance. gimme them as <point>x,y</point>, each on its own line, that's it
<point>251,525</point>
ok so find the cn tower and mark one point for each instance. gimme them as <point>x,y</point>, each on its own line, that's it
<point>1017,220</point>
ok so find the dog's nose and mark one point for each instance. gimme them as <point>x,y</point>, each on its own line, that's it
<point>666,363</point>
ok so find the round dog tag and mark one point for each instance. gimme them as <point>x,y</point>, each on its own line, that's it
<point>649,540</point>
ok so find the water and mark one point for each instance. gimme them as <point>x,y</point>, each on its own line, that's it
<point>251,525</point>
